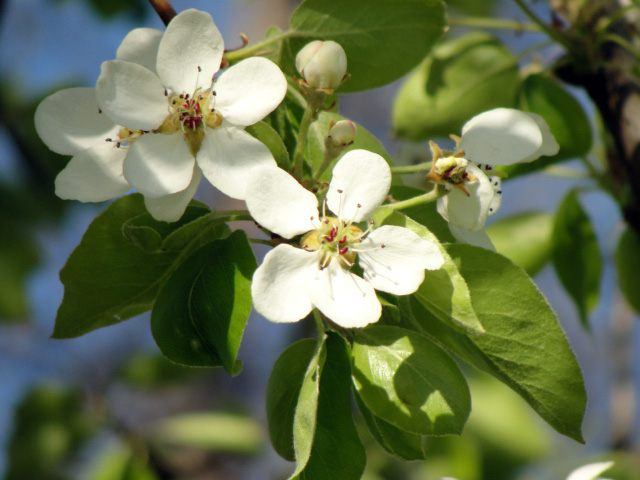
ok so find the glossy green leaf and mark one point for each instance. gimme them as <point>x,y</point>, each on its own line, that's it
<point>443,291</point>
<point>200,314</point>
<point>565,116</point>
<point>380,47</point>
<point>402,444</point>
<point>108,278</point>
<point>524,238</point>
<point>576,256</point>
<point>306,409</point>
<point>267,135</point>
<point>627,262</point>
<point>524,345</point>
<point>337,449</point>
<point>318,132</point>
<point>216,432</point>
<point>461,78</point>
<point>409,381</point>
<point>283,391</point>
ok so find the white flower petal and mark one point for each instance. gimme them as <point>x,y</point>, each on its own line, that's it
<point>502,136</point>
<point>141,46</point>
<point>171,207</point>
<point>159,165</point>
<point>589,472</point>
<point>279,203</point>
<point>227,157</point>
<point>93,175</point>
<point>249,91</point>
<point>479,238</point>
<point>70,121</point>
<point>360,183</point>
<point>191,40</point>
<point>277,288</point>
<point>394,259</point>
<point>469,212</point>
<point>131,95</point>
<point>549,145</point>
<point>345,298</point>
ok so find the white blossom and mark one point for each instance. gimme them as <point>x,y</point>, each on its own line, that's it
<point>187,123</point>
<point>292,281</point>
<point>502,136</point>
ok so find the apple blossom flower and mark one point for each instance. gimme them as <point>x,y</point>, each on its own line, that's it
<point>322,65</point>
<point>292,281</point>
<point>502,136</point>
<point>184,125</point>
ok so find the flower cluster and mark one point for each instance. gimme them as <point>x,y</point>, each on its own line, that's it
<point>159,119</point>
<point>502,136</point>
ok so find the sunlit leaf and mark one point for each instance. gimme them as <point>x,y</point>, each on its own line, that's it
<point>627,262</point>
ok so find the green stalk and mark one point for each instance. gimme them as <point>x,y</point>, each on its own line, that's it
<point>241,53</point>
<point>495,23</point>
<point>421,167</point>
<point>310,113</point>
<point>432,196</point>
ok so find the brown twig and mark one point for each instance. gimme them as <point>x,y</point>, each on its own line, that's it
<point>164,9</point>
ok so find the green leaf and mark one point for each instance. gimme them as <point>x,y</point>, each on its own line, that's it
<point>524,345</point>
<point>627,261</point>
<point>318,132</point>
<point>217,432</point>
<point>461,78</point>
<point>576,256</point>
<point>404,445</point>
<point>565,116</point>
<point>200,314</point>
<point>380,47</point>
<point>306,410</point>
<point>267,135</point>
<point>50,425</point>
<point>18,257</point>
<point>524,238</point>
<point>336,444</point>
<point>108,278</point>
<point>283,391</point>
<point>119,463</point>
<point>443,291</point>
<point>409,381</point>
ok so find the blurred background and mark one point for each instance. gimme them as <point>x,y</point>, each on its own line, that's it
<point>108,406</point>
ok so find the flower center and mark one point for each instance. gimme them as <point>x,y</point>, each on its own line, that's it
<point>335,239</point>
<point>192,113</point>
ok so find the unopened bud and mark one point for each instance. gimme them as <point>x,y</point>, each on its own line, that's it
<point>322,65</point>
<point>342,133</point>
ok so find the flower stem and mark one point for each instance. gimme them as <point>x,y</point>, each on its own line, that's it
<point>261,241</point>
<point>248,50</point>
<point>164,9</point>
<point>420,167</point>
<point>319,323</point>
<point>310,113</point>
<point>496,23</point>
<point>431,196</point>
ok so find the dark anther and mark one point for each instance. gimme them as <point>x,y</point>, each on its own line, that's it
<point>199,69</point>
<point>99,110</point>
<point>499,192</point>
